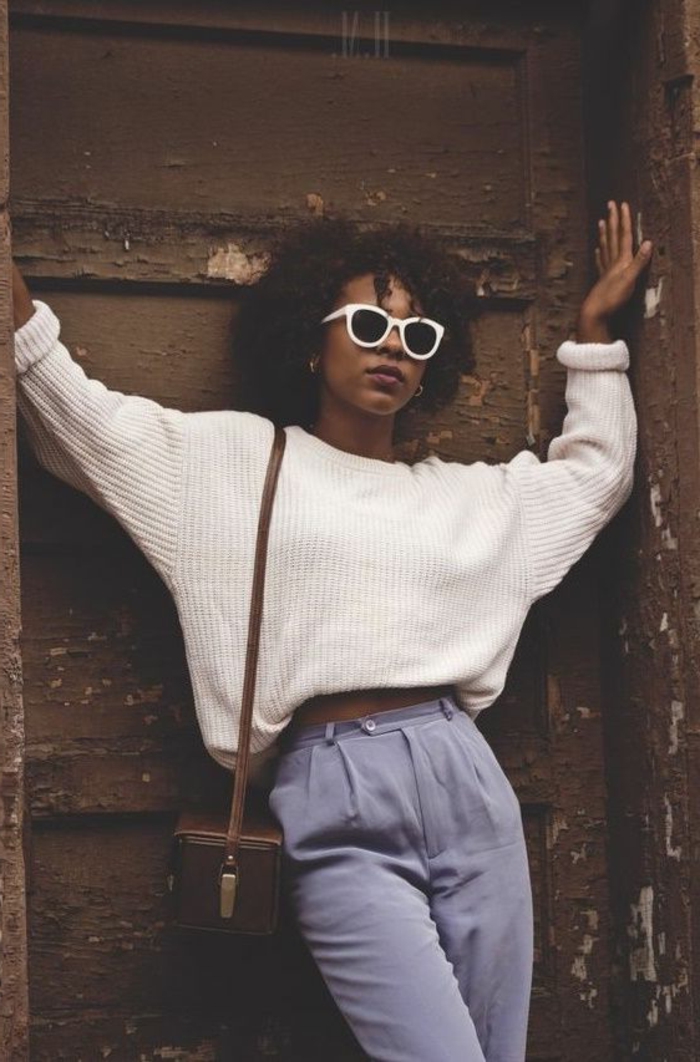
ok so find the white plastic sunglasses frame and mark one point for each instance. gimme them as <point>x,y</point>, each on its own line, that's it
<point>347,310</point>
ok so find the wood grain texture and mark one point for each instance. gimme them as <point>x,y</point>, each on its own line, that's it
<point>14,1017</point>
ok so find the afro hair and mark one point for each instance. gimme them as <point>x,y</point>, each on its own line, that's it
<point>278,326</point>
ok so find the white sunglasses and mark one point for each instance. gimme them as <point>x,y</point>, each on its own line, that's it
<point>369,325</point>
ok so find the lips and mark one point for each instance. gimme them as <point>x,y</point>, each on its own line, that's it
<point>387,370</point>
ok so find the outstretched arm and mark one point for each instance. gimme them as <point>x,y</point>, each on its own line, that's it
<point>124,451</point>
<point>588,474</point>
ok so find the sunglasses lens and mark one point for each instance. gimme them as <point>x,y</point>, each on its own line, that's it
<point>420,337</point>
<point>368,325</point>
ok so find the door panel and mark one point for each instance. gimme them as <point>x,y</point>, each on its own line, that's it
<point>178,137</point>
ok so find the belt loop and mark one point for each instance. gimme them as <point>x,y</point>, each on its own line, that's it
<point>330,730</point>
<point>446,707</point>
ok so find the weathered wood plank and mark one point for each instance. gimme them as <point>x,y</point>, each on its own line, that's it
<point>14,1016</point>
<point>104,650</point>
<point>192,154</point>
<point>512,30</point>
<point>190,251</point>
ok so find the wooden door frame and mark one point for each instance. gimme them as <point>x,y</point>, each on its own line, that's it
<point>13,944</point>
<point>642,110</point>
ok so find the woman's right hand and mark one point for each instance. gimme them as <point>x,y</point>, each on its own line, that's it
<point>22,305</point>
<point>618,272</point>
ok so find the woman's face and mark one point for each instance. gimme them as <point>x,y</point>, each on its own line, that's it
<point>343,367</point>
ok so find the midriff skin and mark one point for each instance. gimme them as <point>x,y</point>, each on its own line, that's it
<point>350,704</point>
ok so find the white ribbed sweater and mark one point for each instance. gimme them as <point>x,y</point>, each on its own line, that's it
<point>378,574</point>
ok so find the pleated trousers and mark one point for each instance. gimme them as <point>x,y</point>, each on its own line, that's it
<point>405,866</point>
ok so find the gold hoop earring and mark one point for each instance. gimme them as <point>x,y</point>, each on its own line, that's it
<point>417,393</point>
<point>313,363</point>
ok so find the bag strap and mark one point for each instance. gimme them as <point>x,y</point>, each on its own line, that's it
<point>229,866</point>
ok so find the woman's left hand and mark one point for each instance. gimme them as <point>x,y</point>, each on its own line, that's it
<point>618,271</point>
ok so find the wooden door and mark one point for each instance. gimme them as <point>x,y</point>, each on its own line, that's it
<point>155,147</point>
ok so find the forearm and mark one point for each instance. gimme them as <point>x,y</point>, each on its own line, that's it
<point>592,329</point>
<point>22,304</point>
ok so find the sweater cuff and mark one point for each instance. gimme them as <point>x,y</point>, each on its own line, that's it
<point>594,356</point>
<point>36,337</point>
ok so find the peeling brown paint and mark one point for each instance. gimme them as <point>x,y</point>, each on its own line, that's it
<point>677,714</point>
<point>652,299</point>
<point>640,931</point>
<point>232,263</point>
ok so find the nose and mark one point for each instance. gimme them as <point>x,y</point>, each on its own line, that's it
<point>392,342</point>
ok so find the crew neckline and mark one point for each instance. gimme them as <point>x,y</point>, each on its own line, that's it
<point>358,462</point>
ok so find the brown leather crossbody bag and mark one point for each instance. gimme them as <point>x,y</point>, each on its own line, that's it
<point>226,867</point>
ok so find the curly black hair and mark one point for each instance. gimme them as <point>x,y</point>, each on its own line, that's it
<point>278,327</point>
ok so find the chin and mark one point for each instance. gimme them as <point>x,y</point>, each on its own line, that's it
<point>386,410</point>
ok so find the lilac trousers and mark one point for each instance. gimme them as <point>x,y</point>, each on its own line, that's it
<point>405,865</point>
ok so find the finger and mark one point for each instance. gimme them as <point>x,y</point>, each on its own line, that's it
<point>598,262</point>
<point>603,241</point>
<point>642,257</point>
<point>613,240</point>
<point>626,235</point>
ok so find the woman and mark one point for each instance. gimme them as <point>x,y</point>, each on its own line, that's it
<point>395,595</point>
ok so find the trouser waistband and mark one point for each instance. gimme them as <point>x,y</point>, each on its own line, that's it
<point>379,723</point>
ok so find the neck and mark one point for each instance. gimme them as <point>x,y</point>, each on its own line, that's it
<point>368,436</point>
